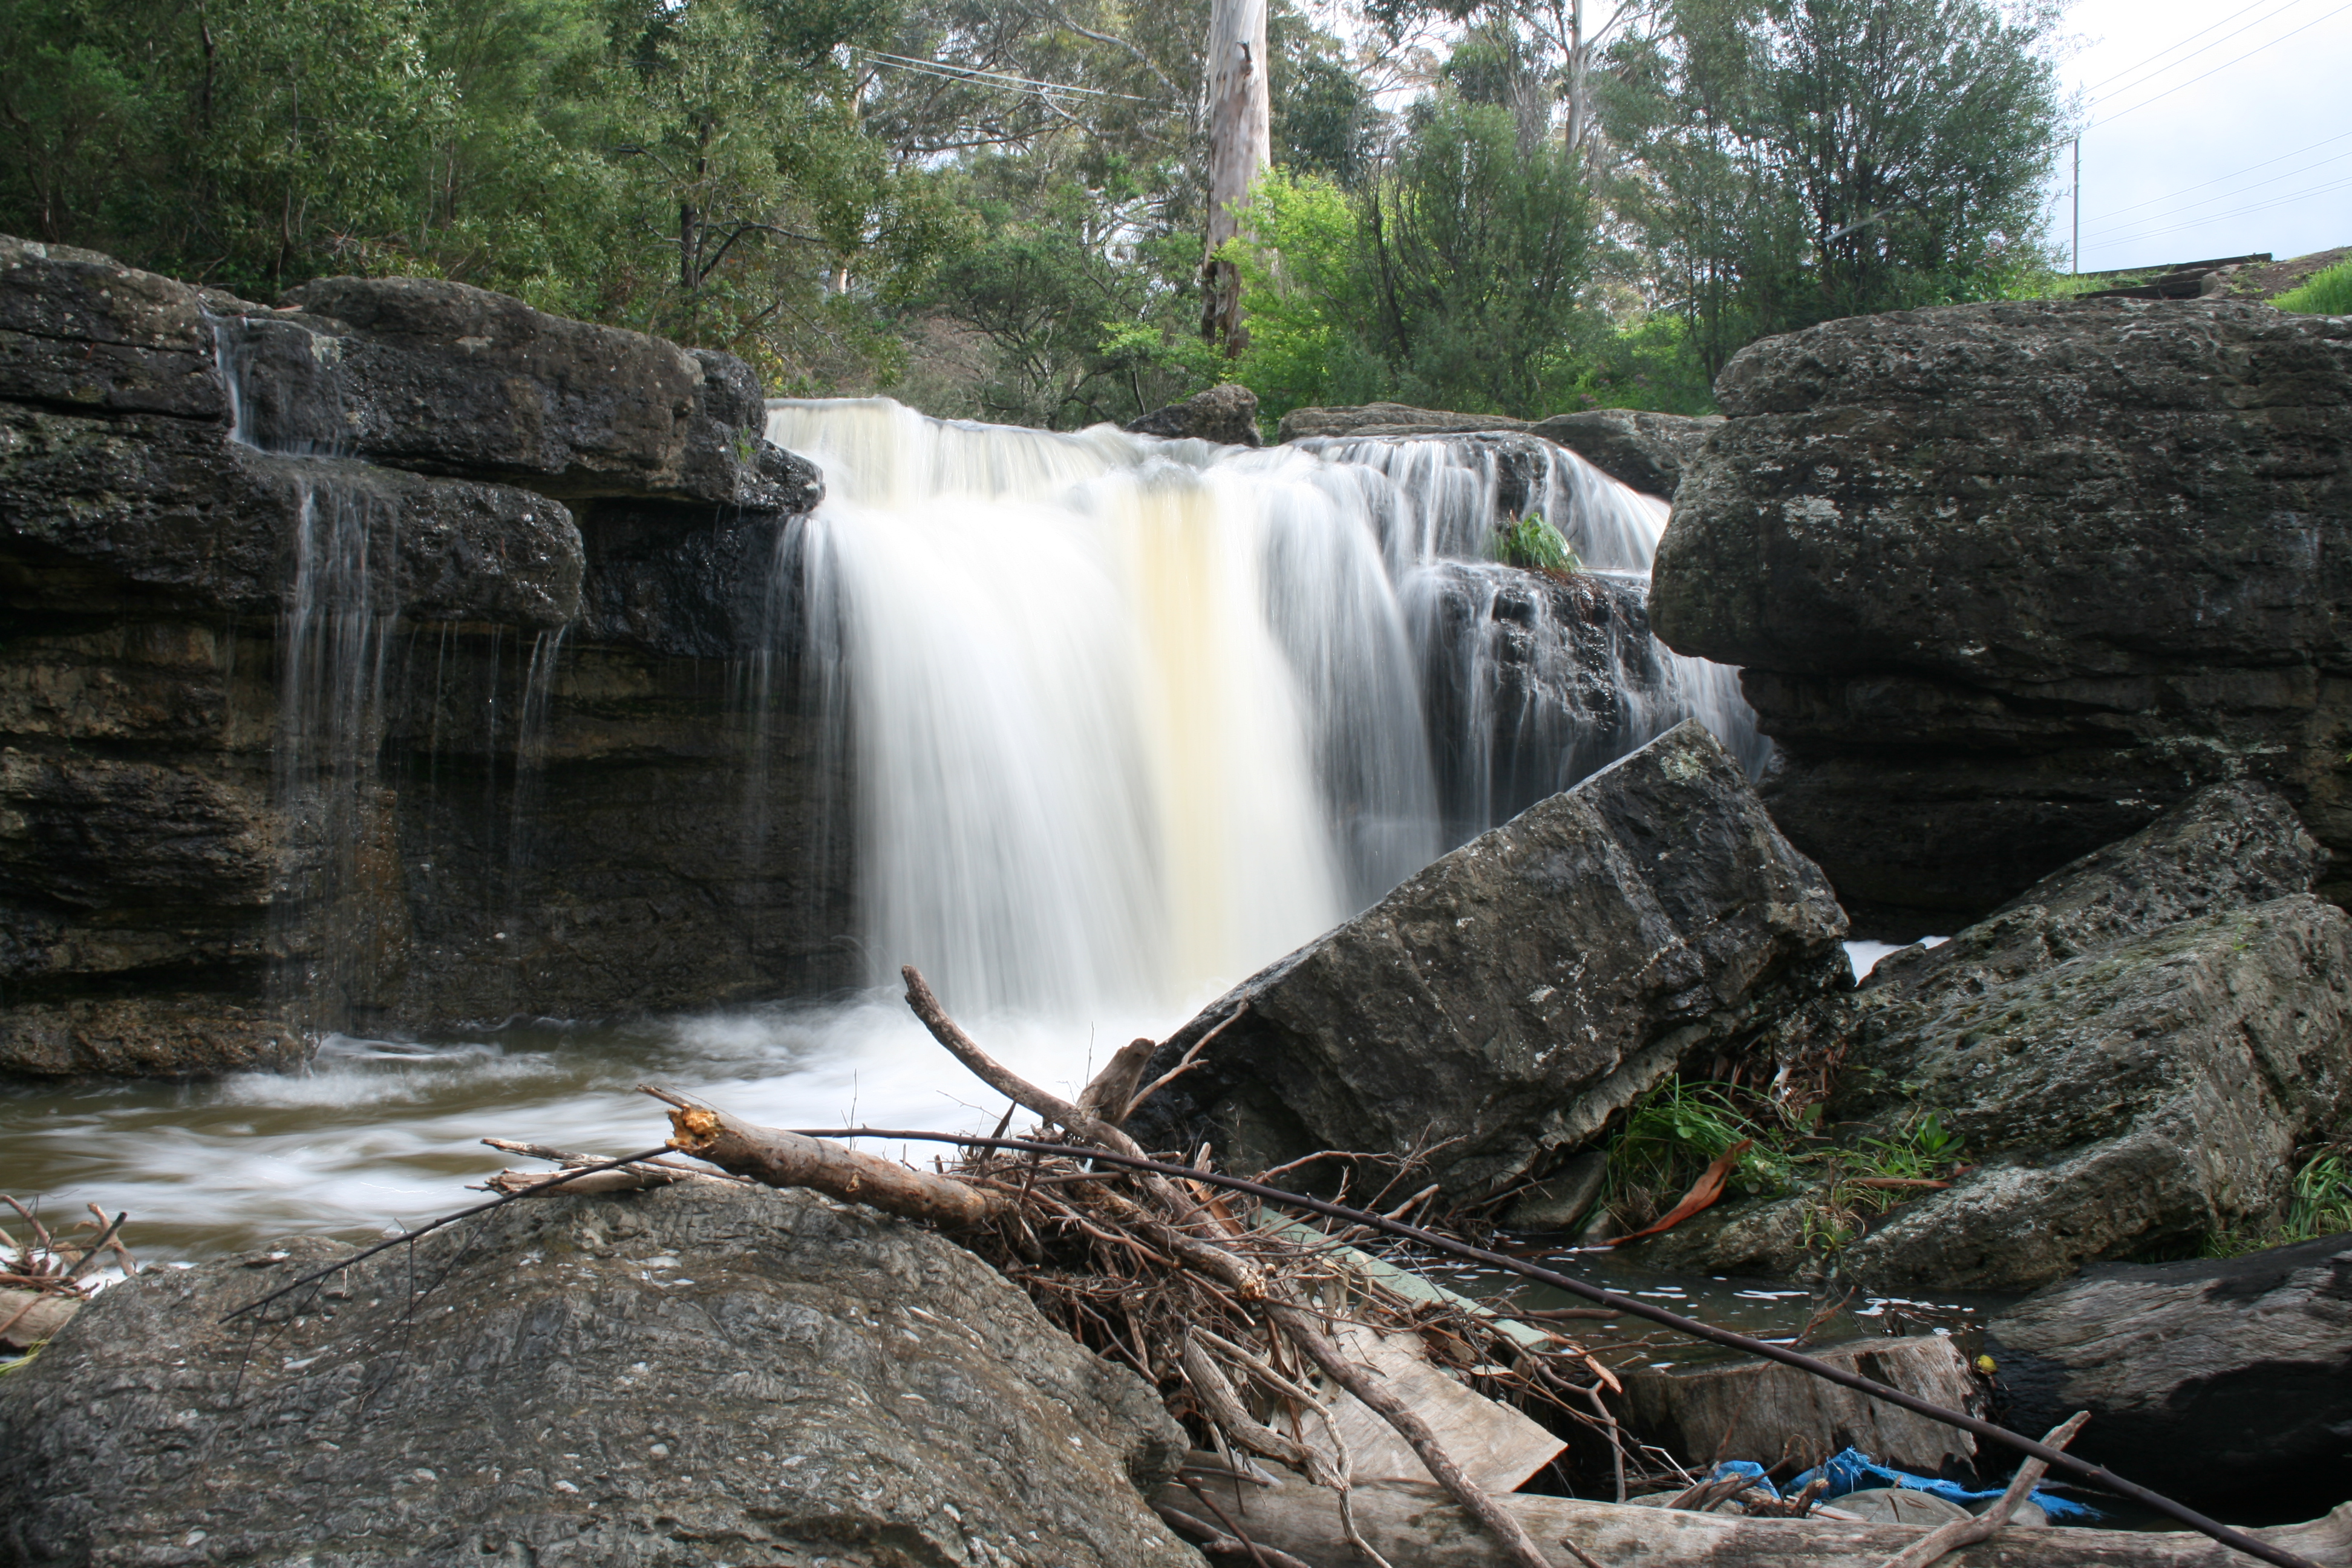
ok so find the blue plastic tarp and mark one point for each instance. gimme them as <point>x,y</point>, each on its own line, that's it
<point>1853,1470</point>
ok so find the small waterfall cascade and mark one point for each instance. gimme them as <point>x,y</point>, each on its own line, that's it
<point>1129,718</point>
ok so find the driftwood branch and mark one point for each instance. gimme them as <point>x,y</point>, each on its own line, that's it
<point>1949,1538</point>
<point>1112,1092</point>
<point>779,1159</point>
<point>1191,1060</point>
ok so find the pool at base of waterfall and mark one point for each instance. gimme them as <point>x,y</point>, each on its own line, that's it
<point>378,1135</point>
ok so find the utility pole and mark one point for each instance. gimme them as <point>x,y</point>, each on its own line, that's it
<point>2078,206</point>
<point>1241,146</point>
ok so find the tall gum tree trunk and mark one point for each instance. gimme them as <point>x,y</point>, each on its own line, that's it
<point>1241,141</point>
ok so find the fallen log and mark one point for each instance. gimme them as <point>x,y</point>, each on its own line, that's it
<point>1416,1524</point>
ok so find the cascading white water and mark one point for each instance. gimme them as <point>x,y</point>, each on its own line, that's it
<point>1131,718</point>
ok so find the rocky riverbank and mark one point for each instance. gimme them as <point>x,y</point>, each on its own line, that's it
<point>285,743</point>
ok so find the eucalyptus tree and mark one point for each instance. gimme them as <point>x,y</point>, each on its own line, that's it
<point>1793,161</point>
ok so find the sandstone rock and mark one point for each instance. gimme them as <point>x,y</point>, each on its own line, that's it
<point>157,514</point>
<point>82,331</point>
<point>2008,579</point>
<point>1766,1412</point>
<point>1506,1001</point>
<point>2218,1381</point>
<point>1644,451</point>
<point>2230,849</point>
<point>449,379</point>
<point>696,1375</point>
<point>1562,1198</point>
<point>2145,1094</point>
<point>1225,414</point>
<point>2225,848</point>
<point>200,1034</point>
<point>1386,419</point>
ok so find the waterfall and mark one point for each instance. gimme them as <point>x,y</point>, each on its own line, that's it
<point>1129,718</point>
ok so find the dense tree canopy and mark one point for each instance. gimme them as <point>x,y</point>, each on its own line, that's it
<point>993,208</point>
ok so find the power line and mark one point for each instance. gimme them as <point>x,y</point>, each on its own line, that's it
<point>2183,213</point>
<point>2192,81</point>
<point>975,76</point>
<point>2292,197</point>
<point>2130,69</point>
<point>2220,178</point>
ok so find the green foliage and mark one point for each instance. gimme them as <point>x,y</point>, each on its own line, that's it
<point>2321,1205</point>
<point>2328,293</point>
<point>1672,1135</point>
<point>1793,161</point>
<point>1674,1132</point>
<point>1533,543</point>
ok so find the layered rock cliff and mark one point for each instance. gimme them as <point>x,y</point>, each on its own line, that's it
<point>2007,580</point>
<point>349,647</point>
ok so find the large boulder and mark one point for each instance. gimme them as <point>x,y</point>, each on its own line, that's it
<point>2132,1051</point>
<point>2006,580</point>
<point>1505,1002</point>
<point>1225,414</point>
<point>2214,1380</point>
<point>703,1375</point>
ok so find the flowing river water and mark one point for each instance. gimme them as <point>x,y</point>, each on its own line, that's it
<point>1129,719</point>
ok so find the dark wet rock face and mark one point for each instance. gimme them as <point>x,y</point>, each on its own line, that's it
<point>359,731</point>
<point>693,1376</point>
<point>2132,1051</point>
<point>2007,580</point>
<point>1225,414</point>
<point>1506,1001</point>
<point>2216,1382</point>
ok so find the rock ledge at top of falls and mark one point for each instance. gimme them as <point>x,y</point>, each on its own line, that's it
<point>2006,580</point>
<point>2131,1053</point>
<point>1503,1002</point>
<point>448,378</point>
<point>1225,414</point>
<point>1639,450</point>
<point>697,1375</point>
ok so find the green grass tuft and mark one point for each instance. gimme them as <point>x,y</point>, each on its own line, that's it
<point>1536,546</point>
<point>2321,1205</point>
<point>2328,293</point>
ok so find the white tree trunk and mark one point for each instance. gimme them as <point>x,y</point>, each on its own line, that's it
<point>1241,142</point>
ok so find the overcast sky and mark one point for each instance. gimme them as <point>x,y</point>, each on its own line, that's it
<point>2255,156</point>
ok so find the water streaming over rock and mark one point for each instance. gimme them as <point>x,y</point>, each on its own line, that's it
<point>1132,717</point>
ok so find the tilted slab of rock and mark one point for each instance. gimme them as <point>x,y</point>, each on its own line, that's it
<point>1507,999</point>
<point>81,330</point>
<point>2221,1380</point>
<point>2112,1044</point>
<point>696,1375</point>
<point>2007,579</point>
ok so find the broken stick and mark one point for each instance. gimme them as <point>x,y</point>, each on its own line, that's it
<point>1948,1538</point>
